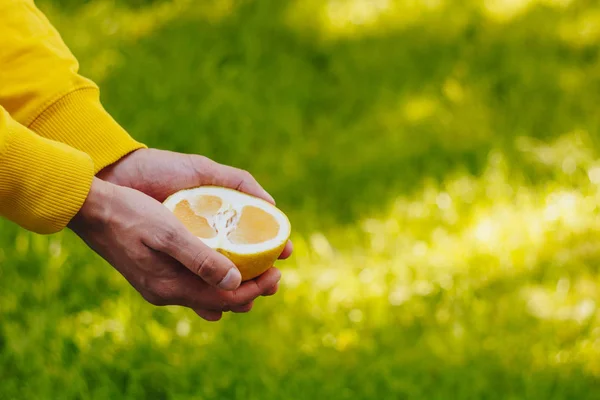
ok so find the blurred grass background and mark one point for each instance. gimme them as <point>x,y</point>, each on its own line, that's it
<point>438,161</point>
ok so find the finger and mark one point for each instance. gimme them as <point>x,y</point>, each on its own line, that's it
<point>287,250</point>
<point>241,180</point>
<point>209,315</point>
<point>244,308</point>
<point>213,173</point>
<point>214,268</point>
<point>191,291</point>
<point>272,291</point>
<point>254,288</point>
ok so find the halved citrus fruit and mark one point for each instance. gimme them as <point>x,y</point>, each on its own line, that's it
<point>249,231</point>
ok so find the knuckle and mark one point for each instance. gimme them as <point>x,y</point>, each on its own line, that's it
<point>154,299</point>
<point>226,300</point>
<point>245,308</point>
<point>206,266</point>
<point>199,164</point>
<point>165,294</point>
<point>200,159</point>
<point>203,160</point>
<point>165,238</point>
<point>210,316</point>
<point>239,302</point>
<point>245,178</point>
<point>246,175</point>
<point>236,300</point>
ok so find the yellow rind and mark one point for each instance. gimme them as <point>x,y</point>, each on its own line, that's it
<point>253,265</point>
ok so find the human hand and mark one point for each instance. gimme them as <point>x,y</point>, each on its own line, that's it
<point>160,173</point>
<point>160,258</point>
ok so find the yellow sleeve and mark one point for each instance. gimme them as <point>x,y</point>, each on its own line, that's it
<point>40,87</point>
<point>43,183</point>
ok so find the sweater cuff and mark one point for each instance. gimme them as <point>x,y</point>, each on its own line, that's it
<point>79,120</point>
<point>43,183</point>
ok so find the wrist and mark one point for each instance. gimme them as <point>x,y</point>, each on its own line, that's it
<point>96,207</point>
<point>119,172</point>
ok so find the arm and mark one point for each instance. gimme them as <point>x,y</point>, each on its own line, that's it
<point>40,87</point>
<point>43,183</point>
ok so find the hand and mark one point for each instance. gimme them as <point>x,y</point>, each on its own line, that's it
<point>160,173</point>
<point>160,258</point>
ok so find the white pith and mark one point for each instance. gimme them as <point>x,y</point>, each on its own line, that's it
<point>226,219</point>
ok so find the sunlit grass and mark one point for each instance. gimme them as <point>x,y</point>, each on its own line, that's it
<point>338,19</point>
<point>506,10</point>
<point>444,231</point>
<point>442,180</point>
<point>488,265</point>
<point>583,30</point>
<point>349,18</point>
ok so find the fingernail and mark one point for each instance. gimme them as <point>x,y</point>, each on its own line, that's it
<point>232,280</point>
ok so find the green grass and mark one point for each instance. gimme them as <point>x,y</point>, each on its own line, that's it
<point>438,164</point>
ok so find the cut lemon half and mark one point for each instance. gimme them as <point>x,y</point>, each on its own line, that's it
<point>249,231</point>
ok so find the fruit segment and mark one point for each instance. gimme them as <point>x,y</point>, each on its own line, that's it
<point>249,231</point>
<point>196,224</point>
<point>210,217</point>
<point>254,226</point>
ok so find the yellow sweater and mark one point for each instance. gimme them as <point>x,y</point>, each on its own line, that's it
<point>54,133</point>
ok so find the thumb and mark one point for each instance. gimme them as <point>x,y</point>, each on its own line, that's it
<point>210,265</point>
